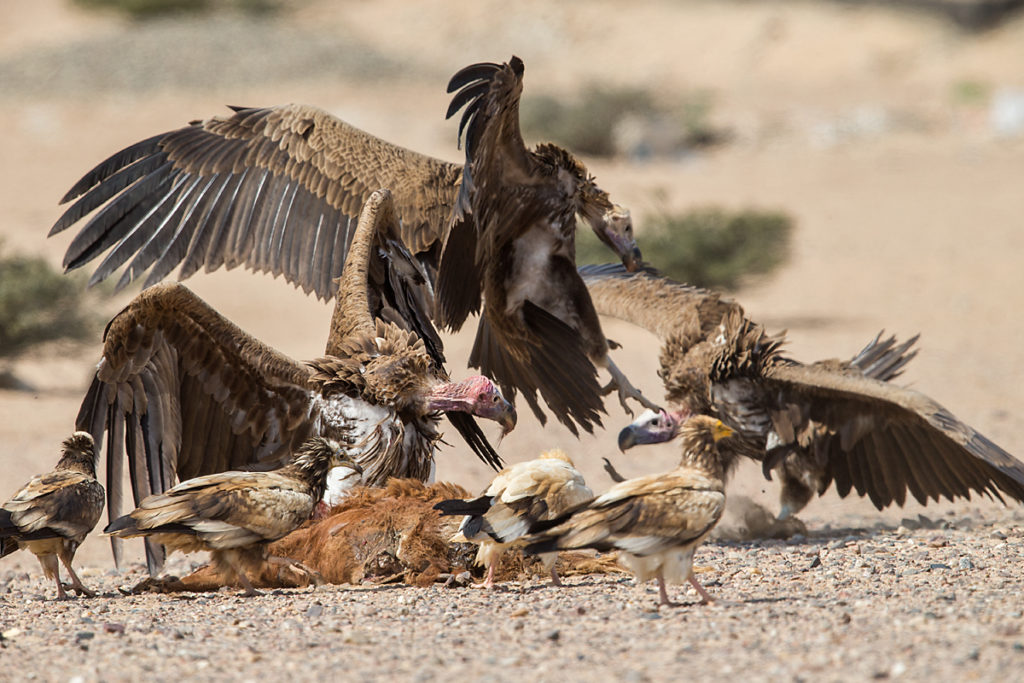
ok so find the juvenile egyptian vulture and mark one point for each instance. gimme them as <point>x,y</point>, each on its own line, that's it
<point>182,392</point>
<point>234,515</point>
<point>820,423</point>
<point>513,245</point>
<point>655,522</point>
<point>519,496</point>
<point>53,513</point>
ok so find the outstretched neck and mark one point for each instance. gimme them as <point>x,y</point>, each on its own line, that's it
<point>450,397</point>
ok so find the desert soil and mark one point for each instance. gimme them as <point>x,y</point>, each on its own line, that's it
<point>865,124</point>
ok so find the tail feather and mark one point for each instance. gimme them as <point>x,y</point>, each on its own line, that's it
<point>458,506</point>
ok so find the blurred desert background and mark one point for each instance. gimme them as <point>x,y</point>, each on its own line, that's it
<point>893,138</point>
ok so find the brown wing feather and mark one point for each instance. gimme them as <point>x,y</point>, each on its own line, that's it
<point>182,392</point>
<point>276,189</point>
<point>883,439</point>
<point>657,304</point>
<point>58,504</point>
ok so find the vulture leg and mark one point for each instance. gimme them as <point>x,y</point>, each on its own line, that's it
<point>706,598</point>
<point>76,583</point>
<point>625,388</point>
<point>555,581</point>
<point>52,570</point>
<point>663,592</point>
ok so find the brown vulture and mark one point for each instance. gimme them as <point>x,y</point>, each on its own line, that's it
<point>235,515</point>
<point>819,423</point>
<point>183,392</point>
<point>53,513</point>
<point>655,522</point>
<point>279,189</point>
<point>539,331</point>
<point>520,495</point>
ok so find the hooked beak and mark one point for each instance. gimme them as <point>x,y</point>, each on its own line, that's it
<point>350,464</point>
<point>506,417</point>
<point>627,438</point>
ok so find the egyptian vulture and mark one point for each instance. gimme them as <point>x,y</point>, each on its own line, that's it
<point>235,515</point>
<point>655,522</point>
<point>52,514</point>
<point>821,423</point>
<point>519,496</point>
<point>279,189</point>
<point>183,392</point>
<point>539,331</point>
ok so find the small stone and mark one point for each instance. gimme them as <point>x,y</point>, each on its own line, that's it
<point>84,635</point>
<point>521,612</point>
<point>998,534</point>
<point>112,627</point>
<point>815,563</point>
<point>965,563</point>
<point>315,611</point>
<point>938,566</point>
<point>553,635</point>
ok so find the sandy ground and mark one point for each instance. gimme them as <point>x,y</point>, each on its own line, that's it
<point>908,209</point>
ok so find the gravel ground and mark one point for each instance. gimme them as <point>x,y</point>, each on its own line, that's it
<point>940,601</point>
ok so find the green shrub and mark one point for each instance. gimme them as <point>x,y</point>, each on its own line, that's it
<point>708,247</point>
<point>147,9</point>
<point>38,304</point>
<point>605,121</point>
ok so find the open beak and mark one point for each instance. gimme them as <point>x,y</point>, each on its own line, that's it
<point>632,259</point>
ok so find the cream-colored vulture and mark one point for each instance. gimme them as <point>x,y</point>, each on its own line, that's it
<point>235,515</point>
<point>518,497</point>
<point>182,392</point>
<point>655,522</point>
<point>821,423</point>
<point>539,331</point>
<point>53,513</point>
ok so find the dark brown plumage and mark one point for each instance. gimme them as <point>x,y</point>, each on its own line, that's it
<point>276,189</point>
<point>655,522</point>
<point>512,244</point>
<point>182,392</point>
<point>53,513</point>
<point>235,515</point>
<point>822,423</point>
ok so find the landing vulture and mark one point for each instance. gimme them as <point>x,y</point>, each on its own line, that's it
<point>825,422</point>
<point>519,496</point>
<point>655,522</point>
<point>53,513</point>
<point>539,331</point>
<point>182,392</point>
<point>235,515</point>
<point>276,189</point>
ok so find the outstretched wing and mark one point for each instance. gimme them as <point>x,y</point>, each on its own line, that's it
<point>657,304</point>
<point>382,281</point>
<point>882,440</point>
<point>182,392</point>
<point>276,189</point>
<point>489,133</point>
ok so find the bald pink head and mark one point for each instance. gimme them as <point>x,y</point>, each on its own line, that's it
<point>476,395</point>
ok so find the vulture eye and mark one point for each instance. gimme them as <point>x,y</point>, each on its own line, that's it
<point>495,398</point>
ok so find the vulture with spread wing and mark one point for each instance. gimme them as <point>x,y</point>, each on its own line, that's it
<point>235,515</point>
<point>655,522</point>
<point>519,496</point>
<point>53,513</point>
<point>278,190</point>
<point>512,243</point>
<point>182,392</point>
<point>820,423</point>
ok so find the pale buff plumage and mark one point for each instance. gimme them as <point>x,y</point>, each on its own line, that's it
<point>518,497</point>
<point>235,514</point>
<point>52,514</point>
<point>655,522</point>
